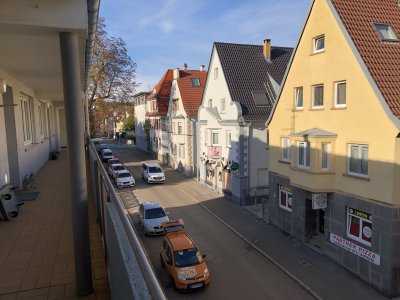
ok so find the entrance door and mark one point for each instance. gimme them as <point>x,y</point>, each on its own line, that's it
<point>314,220</point>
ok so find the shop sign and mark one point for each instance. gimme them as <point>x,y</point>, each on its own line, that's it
<point>355,249</point>
<point>285,188</point>
<point>214,151</point>
<point>319,200</point>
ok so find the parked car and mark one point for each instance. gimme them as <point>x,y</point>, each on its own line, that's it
<point>182,259</point>
<point>113,161</point>
<point>106,154</point>
<point>114,169</point>
<point>101,147</point>
<point>151,215</point>
<point>152,172</point>
<point>124,179</point>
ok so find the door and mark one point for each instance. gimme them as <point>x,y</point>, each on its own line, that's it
<point>315,219</point>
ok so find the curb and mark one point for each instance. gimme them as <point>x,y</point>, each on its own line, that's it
<point>294,278</point>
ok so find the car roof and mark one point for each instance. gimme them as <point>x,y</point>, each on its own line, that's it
<point>124,171</point>
<point>107,150</point>
<point>152,164</point>
<point>117,165</point>
<point>150,204</point>
<point>180,240</point>
<point>111,160</point>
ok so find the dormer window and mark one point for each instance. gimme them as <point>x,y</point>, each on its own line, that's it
<point>386,32</point>
<point>319,44</point>
<point>195,82</point>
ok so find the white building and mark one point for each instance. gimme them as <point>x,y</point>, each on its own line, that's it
<point>139,101</point>
<point>186,92</point>
<point>242,83</point>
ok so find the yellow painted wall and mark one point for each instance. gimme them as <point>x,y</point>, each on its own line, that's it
<point>363,121</point>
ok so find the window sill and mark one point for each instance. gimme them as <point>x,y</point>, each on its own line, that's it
<point>284,162</point>
<point>356,177</point>
<point>316,108</point>
<point>339,108</point>
<point>298,109</point>
<point>317,52</point>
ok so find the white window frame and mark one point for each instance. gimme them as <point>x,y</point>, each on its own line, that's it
<point>215,73</point>
<point>27,118</point>
<point>352,213</point>
<point>296,98</point>
<point>286,148</point>
<point>314,87</point>
<point>306,154</point>
<point>180,128</point>
<point>389,30</point>
<point>223,106</point>
<point>316,42</point>
<point>325,162</point>
<point>340,105</point>
<point>289,204</point>
<point>42,120</point>
<point>228,138</point>
<point>215,133</point>
<point>360,148</point>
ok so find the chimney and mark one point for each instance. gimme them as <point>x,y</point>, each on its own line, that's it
<point>202,67</point>
<point>176,74</point>
<point>185,66</point>
<point>267,49</point>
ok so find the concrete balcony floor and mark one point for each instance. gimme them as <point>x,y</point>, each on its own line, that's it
<point>36,248</point>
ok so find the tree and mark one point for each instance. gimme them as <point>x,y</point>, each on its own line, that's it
<point>129,123</point>
<point>111,79</point>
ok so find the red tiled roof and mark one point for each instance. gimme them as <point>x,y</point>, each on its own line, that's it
<point>381,58</point>
<point>191,96</point>
<point>161,93</point>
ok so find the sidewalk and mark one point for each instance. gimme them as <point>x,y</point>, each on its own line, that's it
<point>324,278</point>
<point>36,248</point>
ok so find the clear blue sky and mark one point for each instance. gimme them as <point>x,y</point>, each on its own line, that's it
<point>165,34</point>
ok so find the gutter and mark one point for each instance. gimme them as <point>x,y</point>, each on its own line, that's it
<point>93,16</point>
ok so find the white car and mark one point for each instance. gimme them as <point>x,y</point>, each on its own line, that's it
<point>151,215</point>
<point>114,169</point>
<point>124,179</point>
<point>152,172</point>
<point>106,154</point>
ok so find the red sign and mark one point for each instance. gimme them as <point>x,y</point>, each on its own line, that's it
<point>214,151</point>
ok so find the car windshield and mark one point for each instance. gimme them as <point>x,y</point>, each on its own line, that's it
<point>155,170</point>
<point>118,168</point>
<point>154,213</point>
<point>187,257</point>
<point>124,175</point>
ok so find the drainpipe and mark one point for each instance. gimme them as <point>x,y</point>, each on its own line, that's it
<point>74,117</point>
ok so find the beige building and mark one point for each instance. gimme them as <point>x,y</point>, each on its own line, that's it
<point>334,139</point>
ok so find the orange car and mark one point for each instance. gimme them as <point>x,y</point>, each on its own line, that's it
<point>183,261</point>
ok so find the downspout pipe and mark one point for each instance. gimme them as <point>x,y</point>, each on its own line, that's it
<point>93,7</point>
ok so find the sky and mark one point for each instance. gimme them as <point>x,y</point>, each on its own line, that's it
<point>165,34</point>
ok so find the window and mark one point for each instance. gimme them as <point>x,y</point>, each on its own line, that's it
<point>286,149</point>
<point>318,96</point>
<point>210,103</point>
<point>303,155</point>
<point>319,44</point>
<point>195,82</point>
<point>27,119</point>
<point>340,94</point>
<point>42,120</point>
<point>175,104</point>
<point>180,128</point>
<point>298,97</point>
<point>358,160</point>
<point>215,138</point>
<point>228,138</point>
<point>325,148</point>
<point>222,105</point>
<point>285,197</point>
<point>215,73</point>
<point>359,226</point>
<point>386,32</point>
<point>182,150</point>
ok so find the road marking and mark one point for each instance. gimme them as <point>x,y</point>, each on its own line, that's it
<point>301,283</point>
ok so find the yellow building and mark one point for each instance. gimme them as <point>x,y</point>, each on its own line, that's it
<point>334,139</point>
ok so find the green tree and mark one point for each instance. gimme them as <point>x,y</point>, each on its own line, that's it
<point>129,123</point>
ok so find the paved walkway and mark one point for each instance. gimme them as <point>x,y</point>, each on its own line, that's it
<point>36,248</point>
<point>324,278</point>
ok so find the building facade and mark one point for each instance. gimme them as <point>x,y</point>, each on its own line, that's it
<point>142,140</point>
<point>334,140</point>
<point>241,87</point>
<point>186,92</point>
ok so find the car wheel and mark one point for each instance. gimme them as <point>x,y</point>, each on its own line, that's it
<point>162,262</point>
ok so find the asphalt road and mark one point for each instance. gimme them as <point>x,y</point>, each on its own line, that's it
<point>237,270</point>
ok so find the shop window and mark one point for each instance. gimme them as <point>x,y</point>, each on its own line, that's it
<point>285,197</point>
<point>359,226</point>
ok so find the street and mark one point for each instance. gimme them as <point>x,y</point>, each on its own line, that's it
<point>237,270</point>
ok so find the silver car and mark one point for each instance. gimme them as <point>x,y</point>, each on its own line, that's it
<point>151,215</point>
<point>152,173</point>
